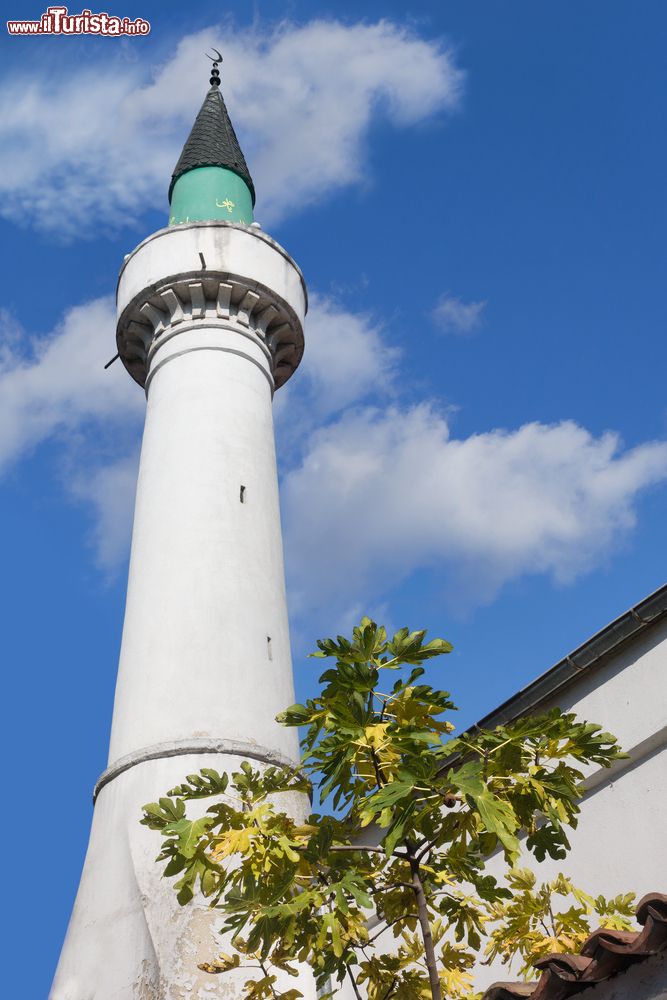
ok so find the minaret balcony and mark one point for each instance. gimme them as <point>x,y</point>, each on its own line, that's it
<point>213,275</point>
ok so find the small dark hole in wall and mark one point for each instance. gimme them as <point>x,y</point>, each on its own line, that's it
<point>268,646</point>
<point>242,494</point>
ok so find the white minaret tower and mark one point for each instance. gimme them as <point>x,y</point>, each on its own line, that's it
<point>210,314</point>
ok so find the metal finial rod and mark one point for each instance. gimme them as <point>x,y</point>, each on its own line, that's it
<point>215,74</point>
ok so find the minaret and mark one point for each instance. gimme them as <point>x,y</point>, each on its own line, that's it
<point>210,314</point>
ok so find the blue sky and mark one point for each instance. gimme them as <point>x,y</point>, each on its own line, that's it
<point>476,441</point>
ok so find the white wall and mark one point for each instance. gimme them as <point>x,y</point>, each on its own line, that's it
<point>645,981</point>
<point>618,845</point>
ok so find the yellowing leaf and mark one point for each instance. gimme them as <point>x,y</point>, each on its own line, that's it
<point>232,842</point>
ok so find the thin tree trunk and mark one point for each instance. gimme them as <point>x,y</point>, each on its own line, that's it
<point>424,923</point>
<point>353,981</point>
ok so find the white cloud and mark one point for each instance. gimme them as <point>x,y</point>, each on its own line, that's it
<point>384,493</point>
<point>58,383</point>
<point>56,390</point>
<point>109,490</point>
<point>347,358</point>
<point>98,145</point>
<point>370,494</point>
<point>452,315</point>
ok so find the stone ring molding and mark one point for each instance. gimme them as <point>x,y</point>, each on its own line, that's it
<point>193,747</point>
<point>212,300</point>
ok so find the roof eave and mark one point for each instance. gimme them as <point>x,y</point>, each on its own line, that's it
<point>582,660</point>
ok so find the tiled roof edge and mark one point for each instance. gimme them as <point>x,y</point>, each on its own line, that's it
<point>603,955</point>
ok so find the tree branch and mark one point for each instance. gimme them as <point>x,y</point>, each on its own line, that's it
<point>391,989</point>
<point>271,987</point>
<point>430,844</point>
<point>553,919</point>
<point>365,847</point>
<point>379,777</point>
<point>424,923</point>
<point>388,888</point>
<point>353,981</point>
<point>390,924</point>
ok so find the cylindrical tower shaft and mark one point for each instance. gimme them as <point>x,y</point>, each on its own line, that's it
<point>205,650</point>
<point>210,321</point>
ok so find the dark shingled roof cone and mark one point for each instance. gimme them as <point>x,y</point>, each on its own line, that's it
<point>213,143</point>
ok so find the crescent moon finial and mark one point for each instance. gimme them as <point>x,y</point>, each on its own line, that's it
<point>215,72</point>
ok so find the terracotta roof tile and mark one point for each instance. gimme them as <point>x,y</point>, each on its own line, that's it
<point>603,955</point>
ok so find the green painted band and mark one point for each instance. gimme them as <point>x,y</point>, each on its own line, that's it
<point>207,194</point>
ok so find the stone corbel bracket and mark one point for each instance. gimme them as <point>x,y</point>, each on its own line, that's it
<point>213,299</point>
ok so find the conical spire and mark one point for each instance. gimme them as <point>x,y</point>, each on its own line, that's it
<point>213,143</point>
<point>215,182</point>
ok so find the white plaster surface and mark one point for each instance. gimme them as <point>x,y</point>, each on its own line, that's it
<point>205,657</point>
<point>206,583</point>
<point>128,938</point>
<point>619,844</point>
<point>244,252</point>
<point>628,695</point>
<point>645,981</point>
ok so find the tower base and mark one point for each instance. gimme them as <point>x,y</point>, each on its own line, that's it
<point>128,938</point>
